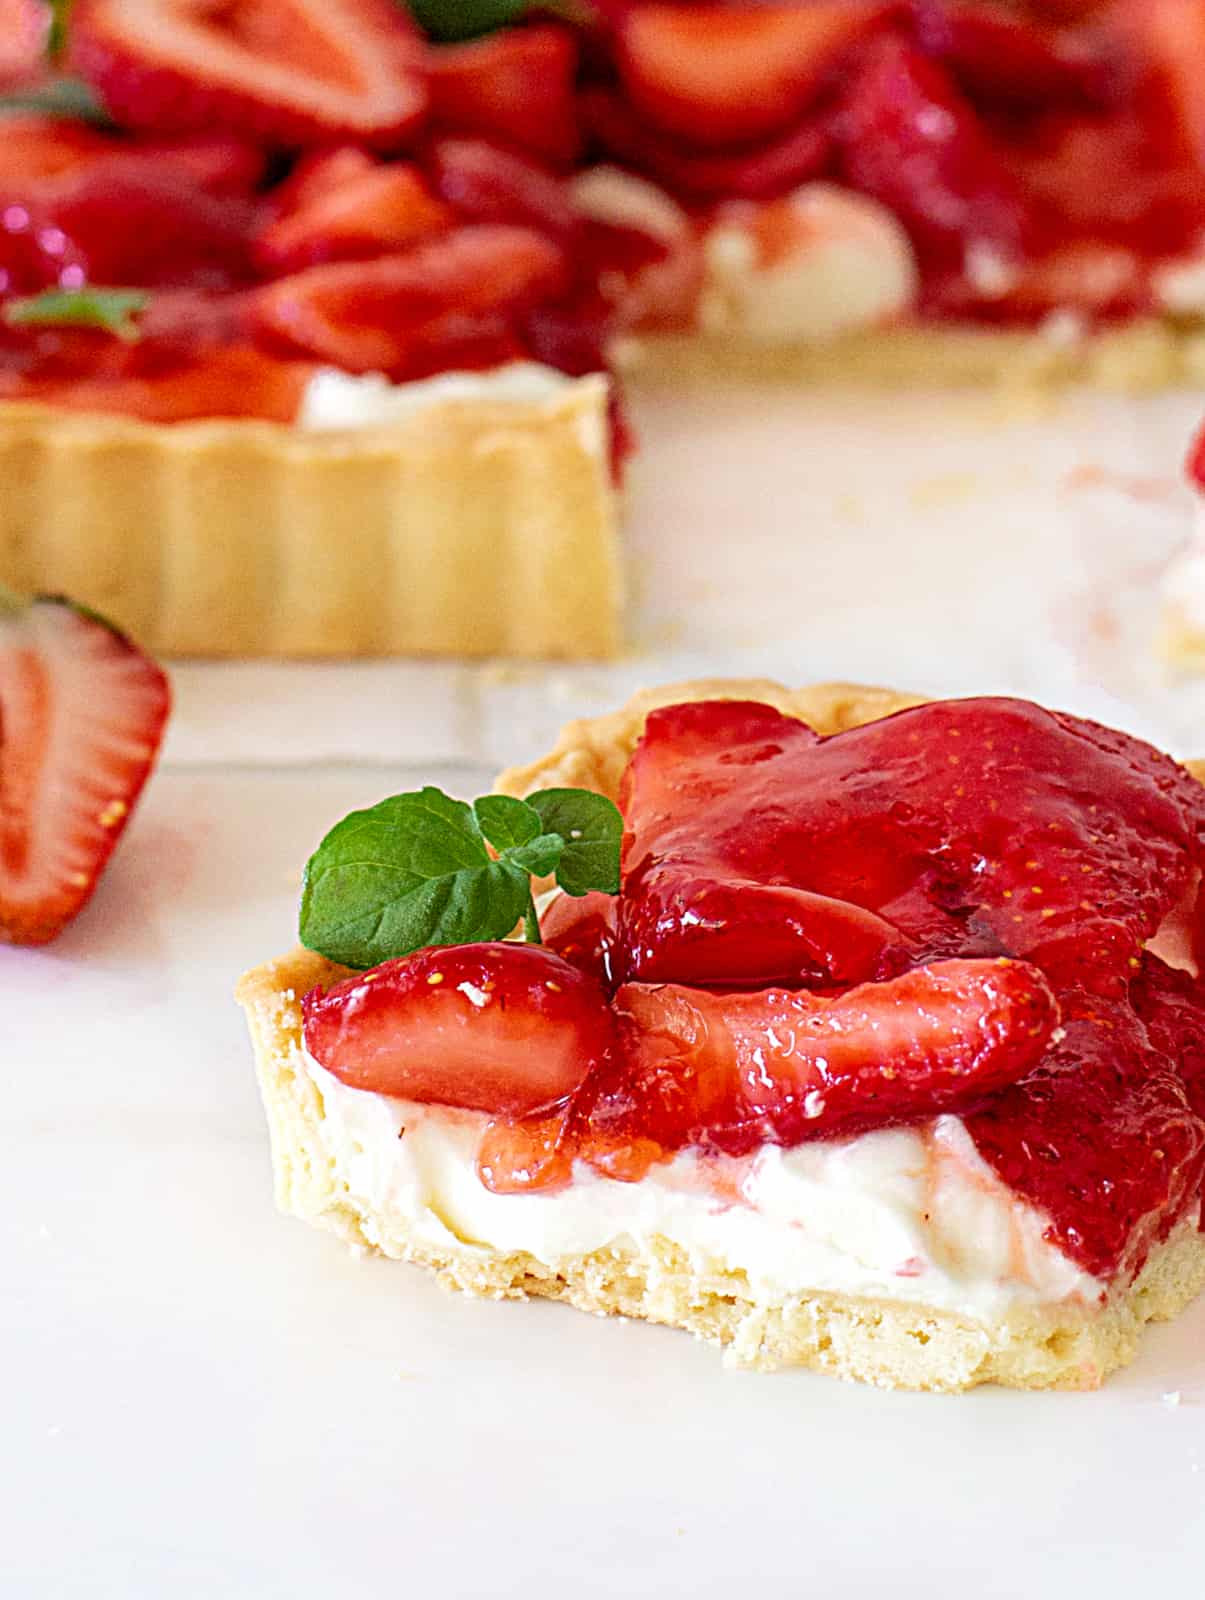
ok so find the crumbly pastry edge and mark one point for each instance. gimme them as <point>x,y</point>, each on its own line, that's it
<point>475,528</point>
<point>879,1341</point>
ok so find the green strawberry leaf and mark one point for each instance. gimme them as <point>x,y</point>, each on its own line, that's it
<point>68,98</point>
<point>113,310</point>
<point>450,20</point>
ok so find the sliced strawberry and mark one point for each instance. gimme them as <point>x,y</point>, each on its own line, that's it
<point>788,1065</point>
<point>365,316</point>
<point>159,384</point>
<point>24,33</point>
<point>1170,36</point>
<point>976,826</point>
<point>515,86</point>
<point>377,213</point>
<point>36,147</point>
<point>909,139</point>
<point>1014,61</point>
<point>581,931</point>
<point>219,163</point>
<point>487,184</point>
<point>506,1028</point>
<point>319,174</point>
<point>82,712</point>
<point>718,76</point>
<point>766,170</point>
<point>282,72</point>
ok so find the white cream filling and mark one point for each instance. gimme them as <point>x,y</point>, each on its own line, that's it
<point>847,265</point>
<point>1184,580</point>
<point>335,399</point>
<point>908,1214</point>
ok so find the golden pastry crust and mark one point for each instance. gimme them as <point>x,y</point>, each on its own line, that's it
<point>244,538</point>
<point>884,1342</point>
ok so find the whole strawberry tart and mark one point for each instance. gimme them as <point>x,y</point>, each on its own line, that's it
<point>865,1034</point>
<point>308,306</point>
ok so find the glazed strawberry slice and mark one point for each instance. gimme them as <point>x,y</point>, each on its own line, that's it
<point>36,147</point>
<point>488,184</point>
<point>82,712</point>
<point>283,72</point>
<point>1015,61</point>
<point>909,139</point>
<point>782,1066</point>
<point>515,86</point>
<point>510,1029</point>
<point>377,212</point>
<point>983,826</point>
<point>581,930</point>
<point>366,316</point>
<point>765,170</point>
<point>719,76</point>
<point>24,32</point>
<point>1170,36</point>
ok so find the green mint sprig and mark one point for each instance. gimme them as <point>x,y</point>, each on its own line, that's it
<point>415,870</point>
<point>113,310</point>
<point>452,20</point>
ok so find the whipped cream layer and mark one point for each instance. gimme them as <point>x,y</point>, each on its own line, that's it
<point>907,1214</point>
<point>335,399</point>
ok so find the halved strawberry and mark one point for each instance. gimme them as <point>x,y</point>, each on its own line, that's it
<point>581,930</point>
<point>488,184</point>
<point>516,86</point>
<point>365,316</point>
<point>1014,61</point>
<point>506,1028</point>
<point>219,163</point>
<point>724,75</point>
<point>34,147</point>
<point>910,139</point>
<point>761,172</point>
<point>284,72</point>
<point>82,712</point>
<point>378,212</point>
<point>24,32</point>
<point>788,1065</point>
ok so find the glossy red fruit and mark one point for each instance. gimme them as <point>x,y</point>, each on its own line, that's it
<point>909,139</point>
<point>763,171</point>
<point>35,253</point>
<point>1196,461</point>
<point>319,174</point>
<point>515,86</point>
<point>488,184</point>
<point>1102,1136</point>
<point>986,826</point>
<point>510,1029</point>
<point>581,930</point>
<point>24,33</point>
<point>157,381</point>
<point>295,73</point>
<point>1011,60</point>
<point>727,75</point>
<point>365,316</point>
<point>82,711</point>
<point>219,163</point>
<point>378,212</point>
<point>35,147</point>
<point>1169,36</point>
<point>782,1066</point>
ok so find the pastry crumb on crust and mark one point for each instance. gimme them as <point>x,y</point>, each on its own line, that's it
<point>879,1341</point>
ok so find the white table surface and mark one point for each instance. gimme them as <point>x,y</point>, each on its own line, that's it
<point>202,1398</point>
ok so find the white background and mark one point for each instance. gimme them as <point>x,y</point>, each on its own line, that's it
<point>202,1398</point>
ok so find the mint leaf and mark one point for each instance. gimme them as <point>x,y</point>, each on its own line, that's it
<point>450,20</point>
<point>68,98</point>
<point>410,872</point>
<point>506,822</point>
<point>415,870</point>
<point>592,829</point>
<point>111,309</point>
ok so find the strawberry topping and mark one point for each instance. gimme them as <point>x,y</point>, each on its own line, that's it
<point>516,87</point>
<point>284,72</point>
<point>505,1028</point>
<point>82,712</point>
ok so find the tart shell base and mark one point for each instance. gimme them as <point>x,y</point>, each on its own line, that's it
<point>883,1342</point>
<point>475,529</point>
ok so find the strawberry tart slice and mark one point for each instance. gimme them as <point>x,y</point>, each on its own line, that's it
<point>866,1036</point>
